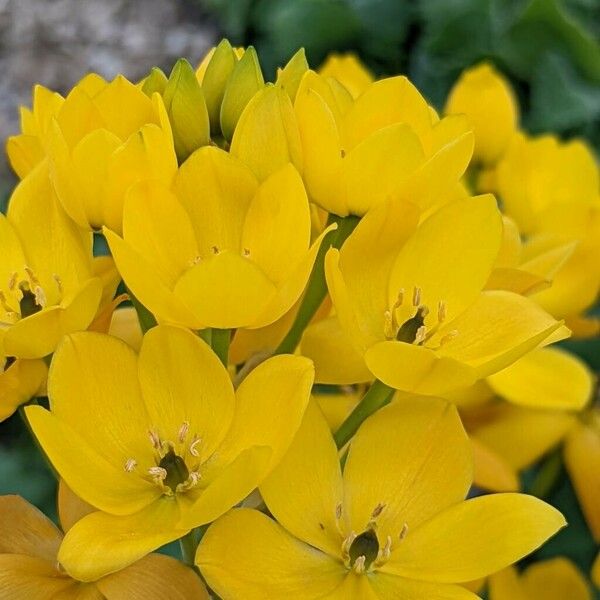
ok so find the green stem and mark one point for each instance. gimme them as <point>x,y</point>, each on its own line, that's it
<point>188,547</point>
<point>378,395</point>
<point>220,344</point>
<point>547,475</point>
<point>146,318</point>
<point>206,335</point>
<point>316,289</point>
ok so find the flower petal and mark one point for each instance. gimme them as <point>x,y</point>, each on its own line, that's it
<point>70,507</point>
<point>582,458</point>
<point>144,281</point>
<point>506,585</point>
<point>555,579</point>
<point>26,530</point>
<point>266,136</point>
<point>88,473</point>
<point>154,577</point>
<point>96,374</point>
<point>269,406</point>
<point>470,232</point>
<point>183,381</point>
<point>475,538</point>
<point>411,457</point>
<point>215,189</point>
<point>545,378</point>
<point>417,369</point>
<point>31,578</point>
<point>497,329</point>
<point>226,486</point>
<point>336,360</point>
<point>23,380</point>
<point>226,290</point>
<point>391,587</point>
<point>247,555</point>
<point>304,492</point>
<point>491,471</point>
<point>100,543</point>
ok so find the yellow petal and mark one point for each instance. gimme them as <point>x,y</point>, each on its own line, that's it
<point>321,150</point>
<point>391,587</point>
<point>391,100</point>
<point>183,381</point>
<point>491,471</point>
<point>337,406</point>
<point>157,227</point>
<point>582,458</point>
<point>414,458</point>
<point>266,136</point>
<point>388,156</point>
<point>39,334</point>
<point>336,360</point>
<point>96,374</point>
<point>54,246</point>
<point>475,538</point>
<point>305,490</point>
<point>227,486</point>
<point>555,579</point>
<point>487,99</point>
<point>226,290</point>
<point>269,406</point>
<point>262,546</point>
<point>215,190</point>
<point>86,471</point>
<point>497,329</point>
<point>365,262</point>
<point>26,530</point>
<point>470,231</point>
<point>348,70</point>
<point>31,578</point>
<point>506,585</point>
<point>277,227</point>
<point>148,155</point>
<point>143,280</point>
<point>13,258</point>
<point>70,507</point>
<point>417,369</point>
<point>24,153</point>
<point>100,543</point>
<point>545,378</point>
<point>125,325</point>
<point>154,577</point>
<point>23,380</point>
<point>522,435</point>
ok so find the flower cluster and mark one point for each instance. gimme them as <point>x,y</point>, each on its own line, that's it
<point>318,348</point>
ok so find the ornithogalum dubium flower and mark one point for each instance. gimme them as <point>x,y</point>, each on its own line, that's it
<point>393,524</point>
<point>418,319</point>
<point>177,447</point>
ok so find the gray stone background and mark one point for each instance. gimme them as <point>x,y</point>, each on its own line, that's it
<point>55,42</point>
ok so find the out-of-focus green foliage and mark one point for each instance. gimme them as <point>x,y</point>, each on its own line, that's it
<point>549,48</point>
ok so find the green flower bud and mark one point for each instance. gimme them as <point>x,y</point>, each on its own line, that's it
<point>155,82</point>
<point>245,80</point>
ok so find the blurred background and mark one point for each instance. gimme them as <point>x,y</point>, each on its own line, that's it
<point>549,49</point>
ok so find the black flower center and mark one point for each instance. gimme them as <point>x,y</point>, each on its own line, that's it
<point>177,472</point>
<point>367,545</point>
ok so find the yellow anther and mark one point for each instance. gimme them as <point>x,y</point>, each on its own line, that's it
<point>58,281</point>
<point>195,442</point>
<point>449,337</point>
<point>399,299</point>
<point>183,431</point>
<point>421,335</point>
<point>338,512</point>
<point>404,531</point>
<point>215,249</point>
<point>359,565</point>
<point>416,299</point>
<point>12,282</point>
<point>388,325</point>
<point>130,465</point>
<point>377,510</point>
<point>441,311</point>
<point>4,303</point>
<point>158,473</point>
<point>246,252</point>
<point>40,296</point>
<point>32,278</point>
<point>154,439</point>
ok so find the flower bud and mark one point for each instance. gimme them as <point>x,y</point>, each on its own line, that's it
<point>289,77</point>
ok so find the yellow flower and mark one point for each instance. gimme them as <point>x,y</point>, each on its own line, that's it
<point>49,283</point>
<point>538,173</point>
<point>349,71</point>
<point>159,443</point>
<point>28,149</point>
<point>554,579</point>
<point>29,567</point>
<point>388,143</point>
<point>20,380</point>
<point>487,99</point>
<point>104,138</point>
<point>239,257</point>
<point>410,307</point>
<point>393,525</point>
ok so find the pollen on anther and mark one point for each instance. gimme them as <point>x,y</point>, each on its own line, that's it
<point>154,439</point>
<point>158,473</point>
<point>403,531</point>
<point>215,249</point>
<point>421,335</point>
<point>338,512</point>
<point>441,311</point>
<point>377,510</point>
<point>195,442</point>
<point>130,465</point>
<point>12,282</point>
<point>416,299</point>
<point>58,282</point>
<point>359,564</point>
<point>40,296</point>
<point>183,431</point>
